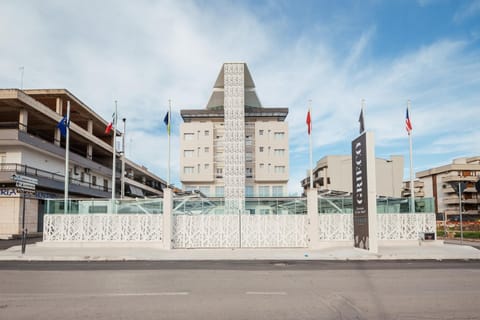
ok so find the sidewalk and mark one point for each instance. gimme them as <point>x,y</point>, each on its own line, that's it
<point>425,251</point>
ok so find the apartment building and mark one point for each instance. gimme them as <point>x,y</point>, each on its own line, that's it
<point>32,146</point>
<point>333,174</point>
<point>442,182</point>
<point>235,148</point>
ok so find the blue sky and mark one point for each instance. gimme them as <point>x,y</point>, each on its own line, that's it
<point>335,53</point>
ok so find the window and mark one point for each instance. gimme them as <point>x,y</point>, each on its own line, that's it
<point>94,180</point>
<point>198,168</point>
<point>248,172</point>
<point>219,172</point>
<point>188,170</point>
<point>188,153</point>
<point>3,157</point>
<point>105,185</point>
<point>262,165</point>
<point>207,133</point>
<point>206,166</point>
<point>249,191</point>
<point>248,156</point>
<point>264,191</point>
<point>260,132</point>
<point>279,135</point>
<point>279,169</point>
<point>219,191</point>
<point>277,191</point>
<point>205,191</point>
<point>207,149</point>
<point>264,211</point>
<point>261,149</point>
<point>279,152</point>
<point>188,136</point>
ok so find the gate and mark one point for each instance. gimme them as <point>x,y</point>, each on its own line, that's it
<point>265,223</point>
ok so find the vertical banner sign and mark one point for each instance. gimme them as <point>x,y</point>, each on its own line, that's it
<point>360,192</point>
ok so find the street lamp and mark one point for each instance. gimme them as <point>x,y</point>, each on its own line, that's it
<point>460,188</point>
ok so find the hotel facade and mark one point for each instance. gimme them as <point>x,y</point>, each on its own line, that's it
<point>235,147</point>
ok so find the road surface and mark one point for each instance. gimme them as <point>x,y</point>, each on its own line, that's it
<point>240,290</point>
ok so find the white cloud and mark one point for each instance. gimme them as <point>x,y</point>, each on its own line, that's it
<point>143,53</point>
<point>467,11</point>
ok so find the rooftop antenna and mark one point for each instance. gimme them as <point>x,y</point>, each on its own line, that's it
<point>22,69</point>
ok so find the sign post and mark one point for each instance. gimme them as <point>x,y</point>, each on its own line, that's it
<point>364,192</point>
<point>25,184</point>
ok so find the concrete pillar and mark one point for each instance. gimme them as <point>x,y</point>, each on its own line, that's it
<point>58,109</point>
<point>167,218</point>
<point>89,151</point>
<point>372,192</point>
<point>90,126</point>
<point>23,120</point>
<point>312,214</point>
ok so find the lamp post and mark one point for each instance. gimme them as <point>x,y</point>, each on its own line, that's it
<point>122,177</point>
<point>459,187</point>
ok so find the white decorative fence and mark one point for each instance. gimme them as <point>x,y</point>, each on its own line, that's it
<point>103,227</point>
<point>390,226</point>
<point>222,231</point>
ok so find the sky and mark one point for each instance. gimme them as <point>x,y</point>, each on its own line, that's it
<point>335,53</point>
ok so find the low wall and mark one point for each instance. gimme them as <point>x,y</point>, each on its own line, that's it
<point>102,227</point>
<point>390,226</point>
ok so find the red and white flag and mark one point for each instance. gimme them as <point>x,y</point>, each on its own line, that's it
<point>309,122</point>
<point>408,124</point>
<point>110,125</point>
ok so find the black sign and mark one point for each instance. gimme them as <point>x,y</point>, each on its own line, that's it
<point>360,192</point>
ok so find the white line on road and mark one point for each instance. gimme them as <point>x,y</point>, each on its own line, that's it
<point>90,295</point>
<point>266,293</point>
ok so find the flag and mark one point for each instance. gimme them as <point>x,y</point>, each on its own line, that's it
<point>63,125</point>
<point>166,120</point>
<point>408,124</point>
<point>110,124</point>
<point>362,122</point>
<point>309,122</point>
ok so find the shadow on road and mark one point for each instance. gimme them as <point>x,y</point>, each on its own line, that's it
<point>5,244</point>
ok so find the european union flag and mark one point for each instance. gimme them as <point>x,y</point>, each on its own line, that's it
<point>63,125</point>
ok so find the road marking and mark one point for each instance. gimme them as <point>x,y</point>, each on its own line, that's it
<point>90,295</point>
<point>179,293</point>
<point>266,293</point>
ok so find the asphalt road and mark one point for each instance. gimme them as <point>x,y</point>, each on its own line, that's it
<point>240,290</point>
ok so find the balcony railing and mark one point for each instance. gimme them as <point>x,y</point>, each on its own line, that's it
<point>35,172</point>
<point>455,178</point>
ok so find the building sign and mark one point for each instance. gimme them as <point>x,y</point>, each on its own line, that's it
<point>360,192</point>
<point>8,192</point>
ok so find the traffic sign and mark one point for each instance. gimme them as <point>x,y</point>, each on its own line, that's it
<point>25,179</point>
<point>26,185</point>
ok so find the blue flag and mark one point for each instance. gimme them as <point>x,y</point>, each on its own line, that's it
<point>166,120</point>
<point>63,125</point>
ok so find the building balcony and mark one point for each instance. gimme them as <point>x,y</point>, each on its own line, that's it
<point>51,180</point>
<point>451,200</point>
<point>471,201</point>
<point>455,178</point>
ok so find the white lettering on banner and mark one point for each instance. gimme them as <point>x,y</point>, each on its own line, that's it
<point>358,173</point>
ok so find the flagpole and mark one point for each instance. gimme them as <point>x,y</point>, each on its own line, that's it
<point>67,156</point>
<point>122,177</point>
<point>310,144</point>
<point>169,141</point>
<point>412,187</point>
<point>114,152</point>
